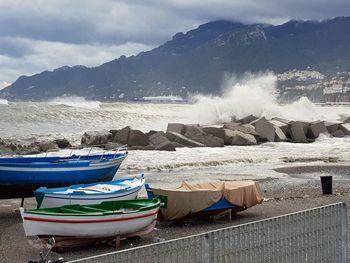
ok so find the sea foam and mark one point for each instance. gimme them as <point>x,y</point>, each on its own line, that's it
<point>254,94</point>
<point>4,102</point>
<point>75,101</point>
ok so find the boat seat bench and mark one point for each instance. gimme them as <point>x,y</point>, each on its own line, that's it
<point>94,209</point>
<point>73,210</point>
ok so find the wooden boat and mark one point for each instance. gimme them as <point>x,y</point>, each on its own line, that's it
<point>194,200</point>
<point>107,219</point>
<point>20,176</point>
<point>83,194</point>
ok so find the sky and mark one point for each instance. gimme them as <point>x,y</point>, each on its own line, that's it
<point>40,35</point>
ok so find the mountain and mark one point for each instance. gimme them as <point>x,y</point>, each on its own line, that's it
<point>196,62</point>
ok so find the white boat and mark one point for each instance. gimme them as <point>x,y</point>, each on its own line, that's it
<point>108,219</point>
<point>83,194</point>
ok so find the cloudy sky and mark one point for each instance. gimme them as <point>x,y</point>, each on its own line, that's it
<point>45,34</point>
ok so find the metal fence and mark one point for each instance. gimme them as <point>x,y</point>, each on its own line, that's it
<point>313,235</point>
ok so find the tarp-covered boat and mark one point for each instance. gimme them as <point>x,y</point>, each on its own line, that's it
<point>108,219</point>
<point>83,194</point>
<point>20,176</point>
<point>207,198</point>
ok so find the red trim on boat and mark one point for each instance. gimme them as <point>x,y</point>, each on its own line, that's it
<point>87,221</point>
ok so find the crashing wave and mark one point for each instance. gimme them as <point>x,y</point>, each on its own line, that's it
<point>4,102</point>
<point>75,101</point>
<point>254,94</point>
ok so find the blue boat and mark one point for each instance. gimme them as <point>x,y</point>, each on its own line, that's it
<point>88,194</point>
<point>20,176</point>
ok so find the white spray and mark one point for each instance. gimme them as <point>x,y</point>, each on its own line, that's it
<point>254,94</point>
<point>75,101</point>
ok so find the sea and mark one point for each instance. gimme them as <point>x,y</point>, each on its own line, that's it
<point>69,117</point>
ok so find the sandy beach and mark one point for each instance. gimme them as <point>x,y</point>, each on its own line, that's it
<point>301,191</point>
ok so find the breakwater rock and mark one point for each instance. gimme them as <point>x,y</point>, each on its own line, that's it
<point>244,132</point>
<point>247,131</point>
<point>18,148</point>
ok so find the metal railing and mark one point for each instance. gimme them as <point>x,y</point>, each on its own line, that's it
<point>313,235</point>
<point>114,151</point>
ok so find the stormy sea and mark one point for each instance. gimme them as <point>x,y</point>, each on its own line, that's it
<point>69,117</point>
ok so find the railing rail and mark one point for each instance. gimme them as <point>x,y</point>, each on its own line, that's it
<point>92,151</point>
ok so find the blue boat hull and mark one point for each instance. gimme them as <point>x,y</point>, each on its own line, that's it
<point>20,180</point>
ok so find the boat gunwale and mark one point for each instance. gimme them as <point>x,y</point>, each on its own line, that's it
<point>82,160</point>
<point>149,204</point>
<point>92,197</point>
<point>80,221</point>
<point>54,192</point>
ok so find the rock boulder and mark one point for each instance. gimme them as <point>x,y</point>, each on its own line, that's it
<point>196,133</point>
<point>122,136</point>
<point>215,131</point>
<point>165,146</point>
<point>63,143</point>
<point>332,126</point>
<point>279,135</point>
<point>176,127</point>
<point>345,128</point>
<point>96,137</point>
<point>281,125</point>
<point>265,129</point>
<point>338,134</point>
<point>179,138</point>
<point>297,132</point>
<point>248,119</point>
<point>158,138</point>
<point>137,138</point>
<point>245,128</point>
<point>315,129</point>
<point>48,146</point>
<point>240,138</point>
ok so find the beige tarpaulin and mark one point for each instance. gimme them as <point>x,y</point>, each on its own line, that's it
<point>191,198</point>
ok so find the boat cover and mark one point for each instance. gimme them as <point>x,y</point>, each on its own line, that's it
<point>192,198</point>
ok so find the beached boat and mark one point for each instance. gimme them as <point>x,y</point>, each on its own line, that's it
<point>192,200</point>
<point>83,194</point>
<point>20,176</point>
<point>107,219</point>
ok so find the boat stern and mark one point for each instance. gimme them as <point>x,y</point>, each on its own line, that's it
<point>25,226</point>
<point>39,197</point>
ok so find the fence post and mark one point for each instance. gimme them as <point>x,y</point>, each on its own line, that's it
<point>344,234</point>
<point>206,247</point>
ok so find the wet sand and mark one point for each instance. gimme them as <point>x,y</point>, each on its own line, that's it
<point>302,190</point>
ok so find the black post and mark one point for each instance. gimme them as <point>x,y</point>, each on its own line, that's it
<point>326,182</point>
<point>22,202</point>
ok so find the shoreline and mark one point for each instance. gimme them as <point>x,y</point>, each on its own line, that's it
<point>281,196</point>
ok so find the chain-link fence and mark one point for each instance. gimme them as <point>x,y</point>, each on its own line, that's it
<point>313,235</point>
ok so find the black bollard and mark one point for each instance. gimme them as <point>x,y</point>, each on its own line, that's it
<point>326,182</point>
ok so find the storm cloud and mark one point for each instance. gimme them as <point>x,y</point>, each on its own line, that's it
<point>38,35</point>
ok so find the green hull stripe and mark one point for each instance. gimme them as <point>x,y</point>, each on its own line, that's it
<point>102,209</point>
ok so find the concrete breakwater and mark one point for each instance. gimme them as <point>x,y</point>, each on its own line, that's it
<point>247,131</point>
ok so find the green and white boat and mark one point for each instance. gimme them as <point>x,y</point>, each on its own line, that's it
<point>107,219</point>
